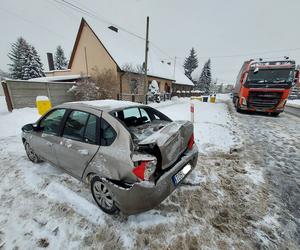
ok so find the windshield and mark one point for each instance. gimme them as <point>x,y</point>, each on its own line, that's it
<point>271,75</point>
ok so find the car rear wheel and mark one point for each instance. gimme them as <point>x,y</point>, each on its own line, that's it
<point>102,196</point>
<point>32,156</point>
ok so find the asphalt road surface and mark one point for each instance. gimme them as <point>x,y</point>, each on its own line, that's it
<point>292,109</point>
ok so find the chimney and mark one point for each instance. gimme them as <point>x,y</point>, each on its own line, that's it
<point>50,61</point>
<point>113,28</point>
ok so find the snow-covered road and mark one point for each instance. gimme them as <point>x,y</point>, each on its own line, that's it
<point>243,194</point>
<point>272,146</point>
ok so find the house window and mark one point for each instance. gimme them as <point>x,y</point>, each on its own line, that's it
<point>167,88</point>
<point>133,86</point>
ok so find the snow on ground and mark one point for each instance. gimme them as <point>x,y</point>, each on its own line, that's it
<point>224,204</point>
<point>294,102</point>
<point>213,126</point>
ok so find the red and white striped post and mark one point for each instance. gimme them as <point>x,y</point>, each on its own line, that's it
<point>192,109</point>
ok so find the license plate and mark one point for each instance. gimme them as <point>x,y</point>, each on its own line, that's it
<point>181,174</point>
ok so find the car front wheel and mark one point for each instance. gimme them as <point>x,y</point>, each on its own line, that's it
<point>102,196</point>
<point>32,156</point>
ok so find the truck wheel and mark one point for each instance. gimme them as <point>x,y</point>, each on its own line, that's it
<point>102,196</point>
<point>275,114</point>
<point>233,100</point>
<point>237,105</point>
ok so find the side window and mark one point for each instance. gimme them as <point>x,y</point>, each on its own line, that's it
<point>51,122</point>
<point>75,125</point>
<point>107,133</point>
<point>145,116</point>
<point>131,112</point>
<point>90,130</point>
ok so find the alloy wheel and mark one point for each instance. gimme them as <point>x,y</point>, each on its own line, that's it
<point>30,153</point>
<point>102,195</point>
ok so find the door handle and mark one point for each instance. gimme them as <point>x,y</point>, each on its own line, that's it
<point>83,151</point>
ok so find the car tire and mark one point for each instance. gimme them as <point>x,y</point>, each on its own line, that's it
<point>102,196</point>
<point>32,156</point>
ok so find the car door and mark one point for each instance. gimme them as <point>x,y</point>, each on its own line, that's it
<point>43,141</point>
<point>79,142</point>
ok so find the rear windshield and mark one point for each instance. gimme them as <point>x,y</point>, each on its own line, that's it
<point>136,116</point>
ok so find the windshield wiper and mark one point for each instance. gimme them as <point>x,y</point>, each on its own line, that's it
<point>279,81</point>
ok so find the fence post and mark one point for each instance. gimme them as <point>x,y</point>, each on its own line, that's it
<point>118,96</point>
<point>146,101</point>
<point>192,112</point>
<point>133,98</point>
<point>7,97</point>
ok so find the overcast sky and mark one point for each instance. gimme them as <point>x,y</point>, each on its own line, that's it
<point>228,32</point>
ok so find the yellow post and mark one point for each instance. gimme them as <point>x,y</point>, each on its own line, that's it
<point>213,99</point>
<point>43,104</point>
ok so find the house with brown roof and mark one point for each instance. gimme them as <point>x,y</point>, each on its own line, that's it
<point>99,48</point>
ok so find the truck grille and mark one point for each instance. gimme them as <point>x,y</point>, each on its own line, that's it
<point>263,100</point>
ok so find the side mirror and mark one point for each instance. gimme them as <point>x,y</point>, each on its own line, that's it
<point>31,127</point>
<point>28,128</point>
<point>37,128</point>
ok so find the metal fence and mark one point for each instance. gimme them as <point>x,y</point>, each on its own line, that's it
<point>140,98</point>
<point>187,93</point>
<point>20,94</point>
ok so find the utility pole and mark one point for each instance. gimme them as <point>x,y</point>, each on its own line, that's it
<point>174,73</point>
<point>146,60</point>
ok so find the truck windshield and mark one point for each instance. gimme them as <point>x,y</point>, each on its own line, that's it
<point>271,76</point>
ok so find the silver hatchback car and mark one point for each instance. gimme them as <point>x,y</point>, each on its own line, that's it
<point>131,155</point>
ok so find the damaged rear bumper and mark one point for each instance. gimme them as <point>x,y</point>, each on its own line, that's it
<point>146,195</point>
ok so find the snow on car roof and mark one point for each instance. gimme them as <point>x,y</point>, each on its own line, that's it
<point>107,104</point>
<point>127,49</point>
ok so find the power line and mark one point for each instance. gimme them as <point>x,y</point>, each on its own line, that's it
<point>61,9</point>
<point>250,54</point>
<point>31,22</point>
<point>96,16</point>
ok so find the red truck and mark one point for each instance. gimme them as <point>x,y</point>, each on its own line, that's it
<point>264,86</point>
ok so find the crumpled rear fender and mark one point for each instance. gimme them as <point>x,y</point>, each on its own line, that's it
<point>172,141</point>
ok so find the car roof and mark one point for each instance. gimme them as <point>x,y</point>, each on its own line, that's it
<point>103,105</point>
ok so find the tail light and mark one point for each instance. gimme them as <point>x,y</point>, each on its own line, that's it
<point>144,170</point>
<point>191,142</point>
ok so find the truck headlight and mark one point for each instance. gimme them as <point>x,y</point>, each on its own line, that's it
<point>244,102</point>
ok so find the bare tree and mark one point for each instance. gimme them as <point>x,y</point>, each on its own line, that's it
<point>101,85</point>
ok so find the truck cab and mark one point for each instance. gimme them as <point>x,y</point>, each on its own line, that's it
<point>264,86</point>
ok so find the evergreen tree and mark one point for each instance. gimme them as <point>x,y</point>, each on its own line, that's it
<point>17,57</point>
<point>33,66</point>
<point>26,63</point>
<point>205,78</point>
<point>190,64</point>
<point>60,59</point>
